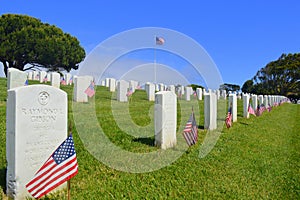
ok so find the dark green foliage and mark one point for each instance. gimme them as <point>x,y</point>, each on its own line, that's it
<point>230,87</point>
<point>277,77</point>
<point>25,40</point>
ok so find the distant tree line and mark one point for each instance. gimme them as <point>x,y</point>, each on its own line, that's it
<point>279,77</point>
<point>26,41</point>
<point>230,87</point>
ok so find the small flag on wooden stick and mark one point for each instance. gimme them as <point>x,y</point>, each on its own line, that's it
<point>60,167</point>
<point>190,132</point>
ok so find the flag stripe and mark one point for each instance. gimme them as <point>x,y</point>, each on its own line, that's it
<point>190,132</point>
<point>61,181</point>
<point>51,174</point>
<point>50,185</point>
<point>53,179</point>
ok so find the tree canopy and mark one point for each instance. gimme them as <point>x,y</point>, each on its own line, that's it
<point>26,41</point>
<point>230,87</point>
<point>277,77</point>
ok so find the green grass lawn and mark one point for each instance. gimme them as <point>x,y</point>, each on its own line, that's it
<point>258,158</point>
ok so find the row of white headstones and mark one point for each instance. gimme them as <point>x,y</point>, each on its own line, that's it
<point>37,118</point>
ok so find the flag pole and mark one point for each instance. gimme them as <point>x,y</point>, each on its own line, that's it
<point>155,59</point>
<point>69,181</point>
<point>69,188</point>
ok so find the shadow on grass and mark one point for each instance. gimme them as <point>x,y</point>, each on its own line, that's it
<point>3,179</point>
<point>147,141</point>
<point>201,127</point>
<point>244,123</point>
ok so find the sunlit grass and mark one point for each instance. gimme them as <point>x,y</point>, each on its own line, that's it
<point>258,158</point>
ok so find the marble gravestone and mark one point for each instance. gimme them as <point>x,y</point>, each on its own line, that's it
<point>122,89</point>
<point>199,93</point>
<point>29,77</point>
<point>187,93</point>
<point>246,99</point>
<point>55,79</point>
<point>42,76</point>
<point>210,111</point>
<point>35,76</point>
<point>15,78</point>
<point>254,101</point>
<point>165,119</point>
<point>112,85</point>
<point>232,101</point>
<point>150,90</point>
<point>260,99</point>
<point>81,83</point>
<point>36,125</point>
<point>67,77</point>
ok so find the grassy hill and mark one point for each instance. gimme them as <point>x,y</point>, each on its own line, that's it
<point>258,158</point>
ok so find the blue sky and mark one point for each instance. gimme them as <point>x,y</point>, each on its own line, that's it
<point>240,36</point>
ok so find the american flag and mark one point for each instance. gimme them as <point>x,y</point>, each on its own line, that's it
<point>63,81</point>
<point>190,132</point>
<point>45,79</point>
<point>60,167</point>
<point>251,110</point>
<point>228,120</point>
<point>259,110</point>
<point>269,108</point>
<point>71,80</point>
<point>90,91</point>
<point>160,40</point>
<point>130,92</point>
<point>26,82</point>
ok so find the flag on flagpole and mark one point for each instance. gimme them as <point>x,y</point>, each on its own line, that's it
<point>160,40</point>
<point>90,91</point>
<point>228,120</point>
<point>60,167</point>
<point>190,132</point>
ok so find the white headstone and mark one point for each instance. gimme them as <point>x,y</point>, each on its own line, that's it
<point>218,94</point>
<point>246,98</point>
<point>161,87</point>
<point>29,77</point>
<point>150,89</point>
<point>210,111</point>
<point>232,101</point>
<point>199,93</point>
<point>133,84</point>
<point>15,78</point>
<point>266,102</point>
<point>122,91</point>
<point>42,76</point>
<point>81,83</point>
<point>187,93</point>
<point>260,99</point>
<point>103,83</point>
<point>172,88</point>
<point>112,85</point>
<point>254,101</point>
<point>165,119</point>
<point>36,125</point>
<point>67,77</point>
<point>224,94</point>
<point>35,76</point>
<point>55,79</point>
